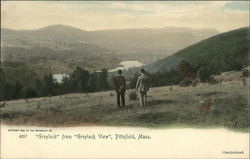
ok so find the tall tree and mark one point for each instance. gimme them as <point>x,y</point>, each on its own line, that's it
<point>79,79</point>
<point>92,82</point>
<point>49,83</point>
<point>102,82</point>
<point>2,83</point>
<point>17,90</point>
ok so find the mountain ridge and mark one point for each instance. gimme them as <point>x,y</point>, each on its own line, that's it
<point>118,29</point>
<point>121,39</point>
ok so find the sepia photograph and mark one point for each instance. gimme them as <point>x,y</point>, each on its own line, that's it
<point>125,79</point>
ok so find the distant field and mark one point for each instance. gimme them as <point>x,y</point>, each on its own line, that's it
<point>167,107</point>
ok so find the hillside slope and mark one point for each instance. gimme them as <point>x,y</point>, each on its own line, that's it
<point>167,106</point>
<point>224,52</point>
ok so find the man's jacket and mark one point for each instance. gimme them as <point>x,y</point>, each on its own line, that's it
<point>120,83</point>
<point>142,84</point>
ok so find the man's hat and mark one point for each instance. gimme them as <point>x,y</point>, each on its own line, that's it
<point>142,70</point>
<point>119,71</point>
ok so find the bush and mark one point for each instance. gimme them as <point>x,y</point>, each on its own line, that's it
<point>132,95</point>
<point>185,83</point>
<point>245,73</point>
<point>205,72</point>
<point>212,80</point>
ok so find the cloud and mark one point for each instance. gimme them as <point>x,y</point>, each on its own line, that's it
<point>129,14</point>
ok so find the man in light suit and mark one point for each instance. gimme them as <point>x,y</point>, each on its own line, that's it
<point>142,86</point>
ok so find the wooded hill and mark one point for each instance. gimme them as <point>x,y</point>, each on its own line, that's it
<point>224,52</point>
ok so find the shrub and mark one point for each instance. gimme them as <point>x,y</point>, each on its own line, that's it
<point>132,95</point>
<point>111,94</point>
<point>212,80</point>
<point>245,73</point>
<point>185,83</point>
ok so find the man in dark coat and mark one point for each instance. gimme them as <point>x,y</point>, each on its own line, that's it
<point>120,88</point>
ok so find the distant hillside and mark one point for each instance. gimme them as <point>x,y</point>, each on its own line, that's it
<point>127,41</point>
<point>88,56</point>
<point>53,37</point>
<point>30,54</point>
<point>172,38</point>
<point>224,52</point>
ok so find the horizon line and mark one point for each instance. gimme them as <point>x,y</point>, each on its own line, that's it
<point>130,28</point>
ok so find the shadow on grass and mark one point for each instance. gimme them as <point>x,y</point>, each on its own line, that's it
<point>208,94</point>
<point>155,118</point>
<point>148,104</point>
<point>131,106</point>
<point>157,102</point>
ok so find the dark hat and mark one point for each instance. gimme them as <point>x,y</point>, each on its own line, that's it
<point>142,70</point>
<point>119,71</point>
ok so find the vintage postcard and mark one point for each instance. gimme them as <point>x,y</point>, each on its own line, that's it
<point>124,79</point>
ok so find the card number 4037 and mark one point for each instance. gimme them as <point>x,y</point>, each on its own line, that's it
<point>23,136</point>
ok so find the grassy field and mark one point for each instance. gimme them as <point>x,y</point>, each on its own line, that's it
<point>167,107</point>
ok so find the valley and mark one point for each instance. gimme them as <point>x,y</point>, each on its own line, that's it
<point>61,48</point>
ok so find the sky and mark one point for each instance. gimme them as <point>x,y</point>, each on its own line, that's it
<point>102,15</point>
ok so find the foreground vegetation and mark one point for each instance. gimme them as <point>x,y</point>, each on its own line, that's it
<point>171,105</point>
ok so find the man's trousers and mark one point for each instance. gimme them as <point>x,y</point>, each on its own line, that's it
<point>120,97</point>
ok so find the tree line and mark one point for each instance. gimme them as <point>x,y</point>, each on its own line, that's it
<point>186,73</point>
<point>18,81</point>
<point>79,81</point>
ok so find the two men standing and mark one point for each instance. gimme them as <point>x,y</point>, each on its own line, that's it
<point>142,86</point>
